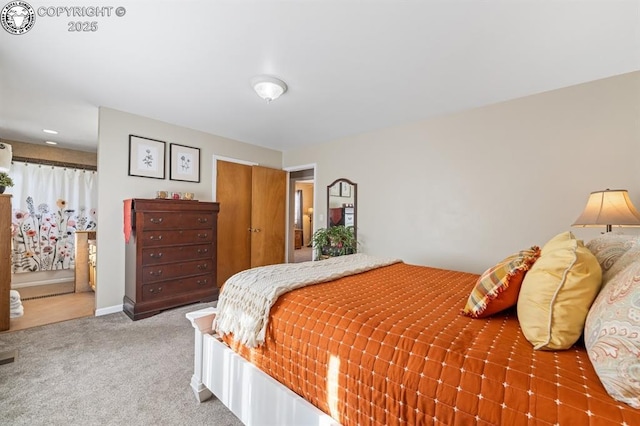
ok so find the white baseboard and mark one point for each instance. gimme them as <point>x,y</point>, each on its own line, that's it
<point>108,310</point>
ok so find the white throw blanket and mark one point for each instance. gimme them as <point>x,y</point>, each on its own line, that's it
<point>247,297</point>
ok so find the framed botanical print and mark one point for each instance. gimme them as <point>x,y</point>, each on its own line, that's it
<point>185,163</point>
<point>146,157</point>
<point>345,189</point>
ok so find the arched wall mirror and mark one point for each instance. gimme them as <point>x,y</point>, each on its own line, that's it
<point>342,204</point>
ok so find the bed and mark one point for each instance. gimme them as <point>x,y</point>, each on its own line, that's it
<point>390,346</point>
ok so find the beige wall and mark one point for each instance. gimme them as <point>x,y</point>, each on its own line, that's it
<point>115,185</point>
<point>464,190</point>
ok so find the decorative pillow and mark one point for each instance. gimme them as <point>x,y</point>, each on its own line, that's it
<point>557,292</point>
<point>609,247</point>
<point>630,256</point>
<point>498,287</point>
<point>612,336</point>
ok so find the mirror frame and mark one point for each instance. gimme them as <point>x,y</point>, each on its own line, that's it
<point>355,203</point>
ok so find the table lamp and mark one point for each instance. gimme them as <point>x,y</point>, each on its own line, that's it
<point>607,208</point>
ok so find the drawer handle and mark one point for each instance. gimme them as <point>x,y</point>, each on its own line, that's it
<point>156,274</point>
<point>202,267</point>
<point>202,282</point>
<point>151,290</point>
<point>153,237</point>
<point>156,221</point>
<point>155,255</point>
<point>203,251</point>
<point>203,235</point>
<point>203,219</point>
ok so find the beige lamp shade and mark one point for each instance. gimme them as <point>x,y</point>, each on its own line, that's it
<point>607,208</point>
<point>5,157</point>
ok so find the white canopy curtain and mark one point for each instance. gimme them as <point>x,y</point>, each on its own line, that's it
<point>50,204</point>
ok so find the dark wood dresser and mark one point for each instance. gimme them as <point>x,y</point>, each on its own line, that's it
<point>171,256</point>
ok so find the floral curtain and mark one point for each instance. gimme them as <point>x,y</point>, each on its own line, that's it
<point>50,204</point>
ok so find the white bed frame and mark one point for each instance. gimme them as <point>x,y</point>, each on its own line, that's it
<point>252,395</point>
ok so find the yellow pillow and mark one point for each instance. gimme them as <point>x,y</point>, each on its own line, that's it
<point>557,292</point>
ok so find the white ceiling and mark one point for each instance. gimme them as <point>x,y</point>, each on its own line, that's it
<point>351,66</point>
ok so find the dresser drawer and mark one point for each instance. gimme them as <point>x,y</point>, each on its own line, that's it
<point>168,271</point>
<point>155,255</point>
<point>172,220</point>
<point>166,238</point>
<point>175,287</point>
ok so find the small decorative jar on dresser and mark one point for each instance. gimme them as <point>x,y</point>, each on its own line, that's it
<point>171,256</point>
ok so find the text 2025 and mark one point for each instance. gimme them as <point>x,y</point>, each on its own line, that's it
<point>76,26</point>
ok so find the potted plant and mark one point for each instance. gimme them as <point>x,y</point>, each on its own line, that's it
<point>334,241</point>
<point>5,181</point>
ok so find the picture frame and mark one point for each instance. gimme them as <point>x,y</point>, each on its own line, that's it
<point>334,191</point>
<point>345,189</point>
<point>184,163</point>
<point>146,157</point>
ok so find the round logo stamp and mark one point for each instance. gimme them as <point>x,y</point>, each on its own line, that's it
<point>17,17</point>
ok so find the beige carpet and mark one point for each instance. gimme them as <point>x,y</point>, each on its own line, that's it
<point>105,370</point>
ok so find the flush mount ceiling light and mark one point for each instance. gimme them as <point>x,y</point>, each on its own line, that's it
<point>268,88</point>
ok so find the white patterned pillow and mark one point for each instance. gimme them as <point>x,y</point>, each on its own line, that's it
<point>609,247</point>
<point>612,336</point>
<point>630,256</point>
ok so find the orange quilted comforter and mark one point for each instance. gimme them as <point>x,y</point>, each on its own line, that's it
<point>389,346</point>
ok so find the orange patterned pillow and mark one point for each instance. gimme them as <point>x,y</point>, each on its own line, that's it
<point>498,287</point>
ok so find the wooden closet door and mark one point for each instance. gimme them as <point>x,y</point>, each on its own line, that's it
<point>233,189</point>
<point>251,222</point>
<point>268,213</point>
<point>5,260</point>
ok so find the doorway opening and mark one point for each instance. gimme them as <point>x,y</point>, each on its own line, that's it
<point>301,214</point>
